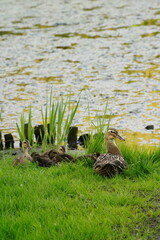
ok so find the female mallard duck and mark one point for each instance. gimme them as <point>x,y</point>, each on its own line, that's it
<point>25,156</point>
<point>111,163</point>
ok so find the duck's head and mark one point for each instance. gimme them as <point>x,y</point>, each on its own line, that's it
<point>112,133</point>
<point>26,144</point>
<point>61,150</point>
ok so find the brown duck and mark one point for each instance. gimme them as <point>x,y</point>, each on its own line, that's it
<point>111,163</point>
<point>60,156</point>
<point>52,157</point>
<point>92,156</point>
<point>25,156</point>
<point>42,160</point>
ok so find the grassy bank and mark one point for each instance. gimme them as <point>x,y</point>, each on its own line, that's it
<point>71,202</point>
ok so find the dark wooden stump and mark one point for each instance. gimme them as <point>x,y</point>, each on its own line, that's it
<point>9,141</point>
<point>1,142</point>
<point>39,133</point>
<point>26,130</point>
<point>72,138</point>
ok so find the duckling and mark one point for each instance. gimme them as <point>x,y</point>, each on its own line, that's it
<point>111,163</point>
<point>60,156</point>
<point>52,157</point>
<point>25,156</point>
<point>92,156</point>
<point>42,160</point>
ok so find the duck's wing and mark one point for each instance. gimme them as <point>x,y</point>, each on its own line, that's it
<point>57,159</point>
<point>29,158</point>
<point>67,158</point>
<point>109,165</point>
<point>34,156</point>
<point>52,153</point>
<point>20,160</point>
<point>16,161</point>
<point>42,160</point>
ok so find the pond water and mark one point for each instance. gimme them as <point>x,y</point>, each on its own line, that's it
<point>107,50</point>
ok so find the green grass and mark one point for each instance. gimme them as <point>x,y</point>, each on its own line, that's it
<point>72,202</point>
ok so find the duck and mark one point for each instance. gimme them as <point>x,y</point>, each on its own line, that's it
<point>60,156</point>
<point>42,160</point>
<point>25,157</point>
<point>52,157</point>
<point>112,162</point>
<point>92,156</point>
<point>45,159</point>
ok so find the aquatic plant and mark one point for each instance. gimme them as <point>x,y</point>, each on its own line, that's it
<point>100,124</point>
<point>57,118</point>
<point>20,128</point>
<point>1,114</point>
<point>23,133</point>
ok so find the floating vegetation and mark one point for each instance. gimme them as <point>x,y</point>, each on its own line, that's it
<point>83,35</point>
<point>49,79</point>
<point>150,34</point>
<point>12,33</point>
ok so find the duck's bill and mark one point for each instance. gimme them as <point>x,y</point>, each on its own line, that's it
<point>119,137</point>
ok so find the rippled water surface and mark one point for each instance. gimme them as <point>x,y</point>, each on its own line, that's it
<point>107,50</point>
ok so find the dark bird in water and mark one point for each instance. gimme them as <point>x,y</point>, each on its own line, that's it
<point>52,157</point>
<point>25,156</point>
<point>111,163</point>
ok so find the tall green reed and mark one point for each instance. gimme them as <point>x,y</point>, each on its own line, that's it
<point>23,134</point>
<point>57,118</point>
<point>1,114</point>
<point>20,127</point>
<point>96,143</point>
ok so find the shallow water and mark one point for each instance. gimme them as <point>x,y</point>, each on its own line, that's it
<point>107,50</point>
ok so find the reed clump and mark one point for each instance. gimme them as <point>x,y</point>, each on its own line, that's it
<point>56,116</point>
